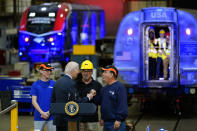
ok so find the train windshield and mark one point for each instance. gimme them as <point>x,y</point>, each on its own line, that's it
<point>40,22</point>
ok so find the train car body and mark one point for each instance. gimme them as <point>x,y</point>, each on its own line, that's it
<point>48,31</point>
<point>132,48</point>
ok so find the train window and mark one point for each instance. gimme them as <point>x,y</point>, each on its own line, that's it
<point>93,28</point>
<point>80,23</point>
<point>98,26</point>
<point>102,24</point>
<point>73,24</point>
<point>157,52</point>
<point>85,28</point>
<point>39,23</point>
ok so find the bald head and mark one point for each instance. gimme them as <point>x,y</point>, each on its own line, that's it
<point>72,68</point>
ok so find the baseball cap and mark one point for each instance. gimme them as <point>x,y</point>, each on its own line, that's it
<point>46,66</point>
<point>112,69</point>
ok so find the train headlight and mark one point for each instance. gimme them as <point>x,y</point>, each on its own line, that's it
<point>61,15</point>
<point>43,9</point>
<point>59,6</point>
<point>26,39</point>
<point>66,10</point>
<point>32,14</point>
<point>20,53</point>
<point>51,39</point>
<point>188,31</point>
<point>51,14</point>
<point>130,31</point>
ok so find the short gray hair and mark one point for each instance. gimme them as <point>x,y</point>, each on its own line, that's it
<point>70,67</point>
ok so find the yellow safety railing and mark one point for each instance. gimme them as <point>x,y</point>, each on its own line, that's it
<point>14,114</point>
<point>14,117</point>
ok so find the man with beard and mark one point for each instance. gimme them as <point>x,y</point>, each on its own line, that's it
<point>84,85</point>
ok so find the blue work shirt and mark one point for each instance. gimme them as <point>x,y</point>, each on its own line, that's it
<point>43,91</point>
<point>113,100</point>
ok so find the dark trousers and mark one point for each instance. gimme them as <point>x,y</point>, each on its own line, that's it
<point>61,128</point>
<point>152,68</point>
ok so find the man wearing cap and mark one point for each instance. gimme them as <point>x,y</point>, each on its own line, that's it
<point>41,92</point>
<point>84,85</point>
<point>65,90</point>
<point>161,41</point>
<point>113,100</point>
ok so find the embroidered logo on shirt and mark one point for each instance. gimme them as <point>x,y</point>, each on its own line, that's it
<point>111,92</point>
<point>50,87</point>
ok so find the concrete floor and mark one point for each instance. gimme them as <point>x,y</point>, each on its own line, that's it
<point>152,119</point>
<point>25,122</point>
<point>166,120</point>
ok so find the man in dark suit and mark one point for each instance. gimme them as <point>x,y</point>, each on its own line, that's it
<point>64,90</point>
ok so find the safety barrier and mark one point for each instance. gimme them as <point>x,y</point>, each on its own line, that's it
<point>14,114</point>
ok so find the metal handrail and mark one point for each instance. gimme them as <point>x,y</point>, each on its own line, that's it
<point>14,104</point>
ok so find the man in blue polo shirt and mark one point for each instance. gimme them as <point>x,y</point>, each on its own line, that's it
<point>41,92</point>
<point>113,100</point>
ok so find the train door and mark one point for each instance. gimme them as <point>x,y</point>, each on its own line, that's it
<point>159,53</point>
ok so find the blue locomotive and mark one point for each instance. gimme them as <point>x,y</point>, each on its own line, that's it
<point>49,31</point>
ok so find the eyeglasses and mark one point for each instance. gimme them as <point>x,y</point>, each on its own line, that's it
<point>86,70</point>
<point>46,70</point>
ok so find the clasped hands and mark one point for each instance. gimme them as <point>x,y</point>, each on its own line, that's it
<point>91,94</point>
<point>45,115</point>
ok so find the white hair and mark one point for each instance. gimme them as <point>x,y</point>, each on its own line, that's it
<point>70,67</point>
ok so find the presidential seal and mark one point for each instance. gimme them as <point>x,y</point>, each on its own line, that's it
<point>71,108</point>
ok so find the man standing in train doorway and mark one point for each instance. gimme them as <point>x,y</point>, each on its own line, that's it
<point>166,57</point>
<point>84,85</point>
<point>152,54</point>
<point>161,42</point>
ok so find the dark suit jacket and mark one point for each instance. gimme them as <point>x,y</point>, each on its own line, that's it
<point>63,91</point>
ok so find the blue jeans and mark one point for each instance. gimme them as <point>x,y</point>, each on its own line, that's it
<point>159,63</point>
<point>109,126</point>
<point>39,125</point>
